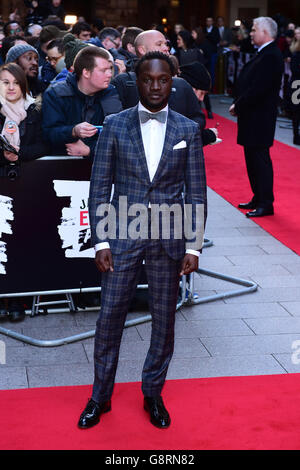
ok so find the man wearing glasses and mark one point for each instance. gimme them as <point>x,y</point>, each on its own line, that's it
<point>110,39</point>
<point>55,51</point>
<point>13,28</point>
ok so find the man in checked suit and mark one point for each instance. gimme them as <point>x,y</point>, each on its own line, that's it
<point>255,106</point>
<point>151,154</point>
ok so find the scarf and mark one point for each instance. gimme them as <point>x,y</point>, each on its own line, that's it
<point>14,113</point>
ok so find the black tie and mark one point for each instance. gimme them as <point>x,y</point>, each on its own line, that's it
<point>161,116</point>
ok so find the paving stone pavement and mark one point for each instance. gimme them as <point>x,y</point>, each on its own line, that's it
<point>251,334</point>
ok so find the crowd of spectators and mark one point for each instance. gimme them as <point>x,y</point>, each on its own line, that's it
<point>79,75</point>
<point>204,44</point>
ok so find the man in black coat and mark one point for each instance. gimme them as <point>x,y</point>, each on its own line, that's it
<point>255,106</point>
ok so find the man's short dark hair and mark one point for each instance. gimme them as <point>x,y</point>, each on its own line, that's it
<point>154,55</point>
<point>7,43</point>
<point>80,26</point>
<point>85,59</point>
<point>108,32</point>
<point>130,35</point>
<point>56,43</point>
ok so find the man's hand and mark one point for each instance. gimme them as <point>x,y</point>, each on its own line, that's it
<point>83,130</point>
<point>215,131</point>
<point>232,110</point>
<point>104,260</point>
<point>189,264</point>
<point>78,148</point>
<point>11,157</point>
<point>121,65</point>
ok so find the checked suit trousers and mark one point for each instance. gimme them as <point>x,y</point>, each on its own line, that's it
<point>117,290</point>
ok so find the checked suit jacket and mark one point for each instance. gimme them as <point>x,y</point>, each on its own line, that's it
<point>120,161</point>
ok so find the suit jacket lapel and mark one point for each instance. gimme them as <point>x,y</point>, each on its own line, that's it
<point>134,131</point>
<point>135,134</point>
<point>259,54</point>
<point>170,137</point>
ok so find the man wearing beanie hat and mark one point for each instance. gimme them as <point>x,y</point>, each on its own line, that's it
<point>48,34</point>
<point>71,47</point>
<point>16,51</point>
<point>27,57</point>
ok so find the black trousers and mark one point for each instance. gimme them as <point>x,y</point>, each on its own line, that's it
<point>260,174</point>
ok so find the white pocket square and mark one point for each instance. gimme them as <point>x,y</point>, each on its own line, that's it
<point>180,145</point>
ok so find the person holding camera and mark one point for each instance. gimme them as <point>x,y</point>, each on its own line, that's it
<point>20,139</point>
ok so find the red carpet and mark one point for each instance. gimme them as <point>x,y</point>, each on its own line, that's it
<point>227,176</point>
<point>228,413</point>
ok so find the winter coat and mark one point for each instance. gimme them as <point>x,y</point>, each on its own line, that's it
<point>32,145</point>
<point>64,106</point>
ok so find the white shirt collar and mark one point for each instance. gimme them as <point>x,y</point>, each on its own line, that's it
<point>264,45</point>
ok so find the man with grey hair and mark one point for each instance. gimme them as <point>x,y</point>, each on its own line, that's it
<point>255,105</point>
<point>265,23</point>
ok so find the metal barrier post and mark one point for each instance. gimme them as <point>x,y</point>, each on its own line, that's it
<point>190,299</point>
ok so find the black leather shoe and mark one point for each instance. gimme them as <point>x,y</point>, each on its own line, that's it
<point>92,412</point>
<point>16,315</point>
<point>16,310</point>
<point>247,205</point>
<point>260,212</point>
<point>159,416</point>
<point>296,140</point>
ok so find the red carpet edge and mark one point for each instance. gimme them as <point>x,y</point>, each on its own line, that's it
<point>224,413</point>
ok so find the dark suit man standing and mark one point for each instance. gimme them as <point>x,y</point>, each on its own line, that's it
<point>151,154</point>
<point>255,106</point>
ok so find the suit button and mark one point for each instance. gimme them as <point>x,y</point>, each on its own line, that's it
<point>150,189</point>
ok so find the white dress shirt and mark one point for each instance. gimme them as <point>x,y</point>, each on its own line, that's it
<point>221,31</point>
<point>153,136</point>
<point>264,45</point>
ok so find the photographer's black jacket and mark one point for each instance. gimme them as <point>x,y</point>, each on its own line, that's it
<point>32,145</point>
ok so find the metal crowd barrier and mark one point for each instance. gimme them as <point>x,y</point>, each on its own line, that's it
<point>187,297</point>
<point>228,67</point>
<point>187,292</point>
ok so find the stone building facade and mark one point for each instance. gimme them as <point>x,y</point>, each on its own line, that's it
<point>144,13</point>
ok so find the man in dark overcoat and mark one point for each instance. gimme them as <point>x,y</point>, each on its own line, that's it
<point>255,106</point>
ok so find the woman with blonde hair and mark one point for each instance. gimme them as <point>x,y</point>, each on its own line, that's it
<point>295,44</point>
